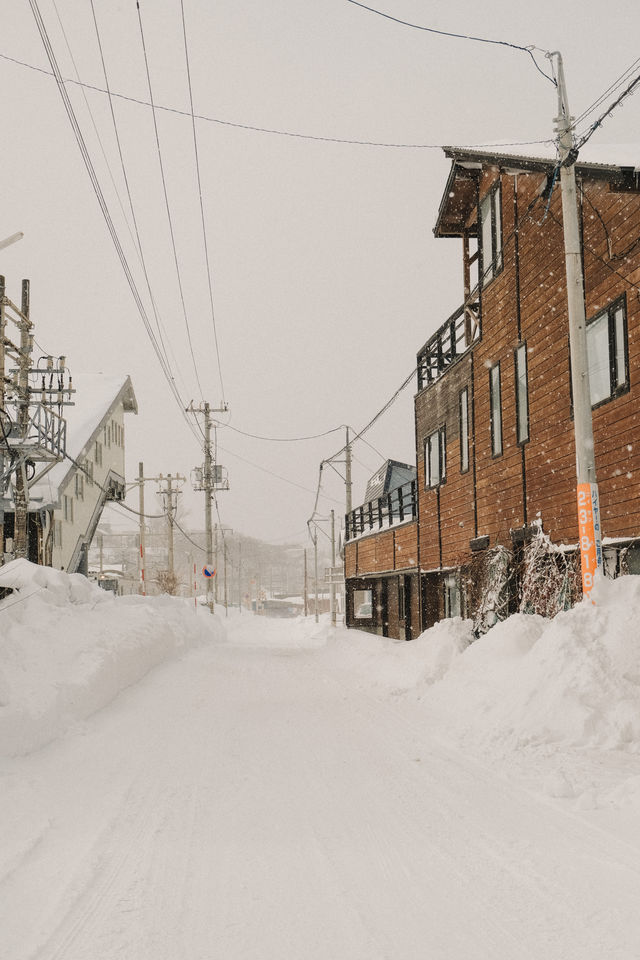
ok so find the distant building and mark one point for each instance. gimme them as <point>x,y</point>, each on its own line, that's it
<point>65,504</point>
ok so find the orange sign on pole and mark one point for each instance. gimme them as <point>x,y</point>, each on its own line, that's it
<point>590,533</point>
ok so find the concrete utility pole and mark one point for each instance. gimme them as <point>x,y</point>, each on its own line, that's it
<point>170,494</point>
<point>332,586</point>
<point>21,489</point>
<point>32,432</point>
<point>209,483</point>
<point>348,484</point>
<point>589,525</point>
<point>143,586</point>
<point>315,570</point>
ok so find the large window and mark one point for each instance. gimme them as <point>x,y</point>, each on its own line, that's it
<point>522,394</point>
<point>491,234</point>
<point>496,410</point>
<point>607,350</point>
<point>435,462</point>
<point>464,430</point>
<point>362,604</point>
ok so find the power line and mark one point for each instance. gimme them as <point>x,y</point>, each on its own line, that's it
<point>594,126</point>
<point>459,36</point>
<point>610,89</point>
<point>271,130</point>
<point>127,187</point>
<point>255,436</point>
<point>166,200</point>
<point>204,229</point>
<point>95,183</point>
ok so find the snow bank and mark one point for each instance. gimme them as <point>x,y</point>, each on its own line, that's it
<point>571,681</point>
<point>574,680</point>
<point>67,648</point>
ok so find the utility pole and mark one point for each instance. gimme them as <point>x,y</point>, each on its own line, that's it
<point>348,484</point>
<point>170,497</point>
<point>239,576</point>
<point>35,433</point>
<point>315,570</point>
<point>21,489</point>
<point>332,586</point>
<point>306,585</point>
<point>208,478</point>
<point>143,586</point>
<point>589,524</point>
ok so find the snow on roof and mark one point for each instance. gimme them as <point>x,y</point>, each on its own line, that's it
<point>94,397</point>
<point>597,154</point>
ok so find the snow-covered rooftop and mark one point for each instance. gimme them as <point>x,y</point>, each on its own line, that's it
<point>95,395</point>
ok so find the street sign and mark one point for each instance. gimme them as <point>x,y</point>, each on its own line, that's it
<point>208,571</point>
<point>334,574</point>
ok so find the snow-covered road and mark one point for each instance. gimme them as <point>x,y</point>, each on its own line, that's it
<point>249,801</point>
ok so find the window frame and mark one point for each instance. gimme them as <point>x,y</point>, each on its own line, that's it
<point>464,433</point>
<point>522,347</point>
<point>436,437</point>
<point>492,199</point>
<point>616,389</point>
<point>495,453</point>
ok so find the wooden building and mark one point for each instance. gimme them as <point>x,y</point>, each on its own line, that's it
<point>495,451</point>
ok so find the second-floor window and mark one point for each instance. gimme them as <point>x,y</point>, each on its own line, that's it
<point>464,430</point>
<point>435,463</point>
<point>490,230</point>
<point>522,394</point>
<point>98,457</point>
<point>496,410</point>
<point>607,350</point>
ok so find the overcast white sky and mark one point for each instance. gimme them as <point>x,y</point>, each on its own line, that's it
<point>327,278</point>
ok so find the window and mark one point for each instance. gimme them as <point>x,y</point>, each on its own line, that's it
<point>79,486</point>
<point>607,351</point>
<point>98,453</point>
<point>452,596</point>
<point>401,601</point>
<point>522,394</point>
<point>496,410</point>
<point>67,504</point>
<point>491,234</point>
<point>362,604</point>
<point>435,464</point>
<point>89,469</point>
<point>464,430</point>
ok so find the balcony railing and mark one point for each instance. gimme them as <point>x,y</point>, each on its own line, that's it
<point>448,343</point>
<point>392,508</point>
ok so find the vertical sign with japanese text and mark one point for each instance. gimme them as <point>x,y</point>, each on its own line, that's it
<point>589,533</point>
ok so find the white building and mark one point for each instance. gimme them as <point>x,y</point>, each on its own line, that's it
<point>66,503</point>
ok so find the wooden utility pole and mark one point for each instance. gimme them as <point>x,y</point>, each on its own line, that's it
<point>306,585</point>
<point>589,524</point>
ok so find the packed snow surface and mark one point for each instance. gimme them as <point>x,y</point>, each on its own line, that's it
<point>177,785</point>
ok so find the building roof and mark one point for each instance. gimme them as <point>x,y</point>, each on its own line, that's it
<point>392,474</point>
<point>459,197</point>
<point>95,399</point>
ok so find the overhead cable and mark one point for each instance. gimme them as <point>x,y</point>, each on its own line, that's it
<point>271,130</point>
<point>204,229</point>
<point>103,205</point>
<point>166,200</point>
<point>459,36</point>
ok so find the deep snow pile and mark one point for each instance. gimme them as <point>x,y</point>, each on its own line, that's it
<point>571,681</point>
<point>67,648</point>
